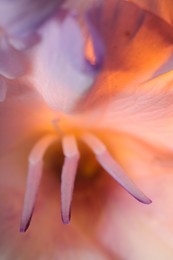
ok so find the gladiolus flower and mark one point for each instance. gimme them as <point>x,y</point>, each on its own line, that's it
<point>86,95</point>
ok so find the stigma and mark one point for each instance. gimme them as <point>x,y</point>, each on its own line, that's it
<point>69,170</point>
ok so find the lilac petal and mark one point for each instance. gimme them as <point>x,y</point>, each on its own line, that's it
<point>113,168</point>
<point>24,42</point>
<point>12,62</point>
<point>3,89</point>
<point>70,75</point>
<point>21,17</point>
<point>34,178</point>
<point>70,30</point>
<point>68,176</point>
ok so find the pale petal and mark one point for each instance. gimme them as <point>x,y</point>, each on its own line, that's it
<point>146,113</point>
<point>12,62</point>
<point>138,47</point>
<point>70,74</point>
<point>23,117</point>
<point>153,224</point>
<point>164,9</point>
<point>133,94</point>
<point>21,17</point>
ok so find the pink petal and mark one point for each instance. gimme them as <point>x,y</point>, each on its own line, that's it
<point>68,175</point>
<point>164,9</point>
<point>133,94</point>
<point>150,117</point>
<point>33,179</point>
<point>153,224</point>
<point>138,47</point>
<point>35,117</point>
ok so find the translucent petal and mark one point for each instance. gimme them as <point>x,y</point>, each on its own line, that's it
<point>24,116</point>
<point>70,75</point>
<point>138,46</point>
<point>152,224</point>
<point>12,62</point>
<point>150,117</point>
<point>20,17</point>
<point>164,9</point>
<point>134,91</point>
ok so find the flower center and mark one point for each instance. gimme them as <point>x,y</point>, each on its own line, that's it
<point>77,159</point>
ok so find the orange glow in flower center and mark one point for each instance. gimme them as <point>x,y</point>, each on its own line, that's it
<point>83,153</point>
<point>89,52</point>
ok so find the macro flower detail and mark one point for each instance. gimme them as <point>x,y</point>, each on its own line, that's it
<point>86,97</point>
<point>69,171</point>
<point>64,49</point>
<point>57,36</point>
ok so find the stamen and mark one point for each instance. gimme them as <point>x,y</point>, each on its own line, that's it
<point>113,168</point>
<point>34,178</point>
<point>69,171</point>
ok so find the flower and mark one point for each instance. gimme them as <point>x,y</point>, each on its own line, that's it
<point>124,104</point>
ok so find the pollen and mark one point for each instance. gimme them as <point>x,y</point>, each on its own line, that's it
<point>69,169</point>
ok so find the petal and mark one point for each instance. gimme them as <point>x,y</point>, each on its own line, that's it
<point>150,117</point>
<point>12,62</point>
<point>133,93</point>
<point>34,120</point>
<point>153,224</point>
<point>20,17</point>
<point>70,74</point>
<point>138,44</point>
<point>158,7</point>
<point>3,89</point>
